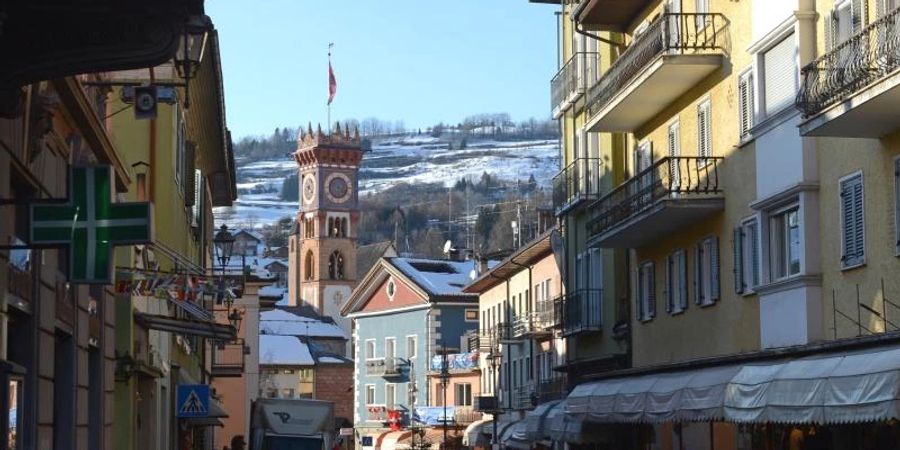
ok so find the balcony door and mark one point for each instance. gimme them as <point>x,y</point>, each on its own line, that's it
<point>643,159</point>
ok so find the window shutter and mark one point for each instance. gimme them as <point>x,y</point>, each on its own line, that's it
<point>698,274</point>
<point>753,231</point>
<point>859,221</point>
<point>714,269</point>
<point>197,207</point>
<point>674,151</point>
<point>651,294</point>
<point>853,221</point>
<point>897,205</point>
<point>188,180</point>
<point>640,296</point>
<point>739,283</point>
<point>780,74</point>
<point>669,293</point>
<point>830,30</point>
<point>683,276</point>
<point>859,9</point>
<point>879,9</point>
<point>703,131</point>
<point>745,100</point>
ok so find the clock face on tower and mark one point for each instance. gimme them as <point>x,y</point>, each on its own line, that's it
<point>309,188</point>
<point>339,189</point>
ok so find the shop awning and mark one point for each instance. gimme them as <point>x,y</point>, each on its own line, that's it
<point>564,427</point>
<point>690,395</point>
<point>388,441</point>
<point>205,329</point>
<point>474,433</point>
<point>536,427</point>
<point>514,436</point>
<point>853,386</point>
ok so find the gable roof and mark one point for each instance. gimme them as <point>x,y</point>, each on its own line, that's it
<point>368,255</point>
<point>435,280</point>
<point>253,234</point>
<point>284,351</point>
<point>279,321</point>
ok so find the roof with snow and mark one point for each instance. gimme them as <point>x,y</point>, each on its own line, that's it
<point>284,351</point>
<point>438,277</point>
<point>272,291</point>
<point>250,233</point>
<point>279,321</point>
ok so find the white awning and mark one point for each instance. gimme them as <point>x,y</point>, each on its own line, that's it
<point>536,427</point>
<point>857,386</point>
<point>689,395</point>
<point>474,435</point>
<point>564,427</point>
<point>514,436</point>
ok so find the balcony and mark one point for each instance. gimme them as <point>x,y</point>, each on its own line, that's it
<point>551,389</point>
<point>538,323</point>
<point>383,367</point>
<point>523,397</point>
<point>573,80</point>
<point>464,415</point>
<point>576,184</point>
<point>669,195</point>
<point>582,311</point>
<point>854,90</point>
<point>609,15</point>
<point>663,63</point>
<point>228,359</point>
<point>20,284</point>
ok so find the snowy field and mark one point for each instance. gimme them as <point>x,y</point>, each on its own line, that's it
<point>411,160</point>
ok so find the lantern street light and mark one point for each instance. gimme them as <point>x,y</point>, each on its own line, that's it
<point>235,317</point>
<point>224,242</point>
<point>191,47</point>
<point>445,380</point>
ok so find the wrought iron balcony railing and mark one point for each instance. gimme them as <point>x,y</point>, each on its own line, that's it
<point>579,181</point>
<point>384,367</point>
<point>551,389</point>
<point>541,321</point>
<point>582,311</point>
<point>228,359</point>
<point>523,397</point>
<point>670,177</point>
<point>20,282</point>
<point>574,78</point>
<point>868,56</point>
<point>668,34</point>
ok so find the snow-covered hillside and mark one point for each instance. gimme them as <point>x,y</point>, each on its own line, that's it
<point>415,159</point>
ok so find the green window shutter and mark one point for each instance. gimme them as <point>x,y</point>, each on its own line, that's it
<point>739,283</point>
<point>852,222</point>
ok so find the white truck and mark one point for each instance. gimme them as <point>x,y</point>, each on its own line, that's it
<point>289,424</point>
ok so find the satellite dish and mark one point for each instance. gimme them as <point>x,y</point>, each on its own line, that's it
<point>447,246</point>
<point>473,274</point>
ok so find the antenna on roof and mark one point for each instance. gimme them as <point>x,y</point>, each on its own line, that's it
<point>447,247</point>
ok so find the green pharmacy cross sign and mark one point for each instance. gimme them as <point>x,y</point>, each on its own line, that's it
<point>90,224</point>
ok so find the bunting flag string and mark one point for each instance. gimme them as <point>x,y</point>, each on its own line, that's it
<point>181,287</point>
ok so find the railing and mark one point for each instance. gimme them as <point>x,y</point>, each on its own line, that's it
<point>578,181</point>
<point>20,283</point>
<point>228,358</point>
<point>551,389</point>
<point>574,77</point>
<point>473,341</point>
<point>582,311</point>
<point>668,177</point>
<point>522,397</point>
<point>867,56</point>
<point>685,33</point>
<point>383,366</point>
<point>540,321</point>
<point>465,415</point>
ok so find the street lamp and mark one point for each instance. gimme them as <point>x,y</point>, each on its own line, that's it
<point>224,242</point>
<point>190,51</point>
<point>445,380</point>
<point>492,359</point>
<point>235,317</point>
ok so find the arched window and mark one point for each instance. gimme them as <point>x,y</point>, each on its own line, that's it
<point>308,272</point>
<point>343,227</point>
<point>336,266</point>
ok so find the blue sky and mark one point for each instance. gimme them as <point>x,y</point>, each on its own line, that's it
<point>418,61</point>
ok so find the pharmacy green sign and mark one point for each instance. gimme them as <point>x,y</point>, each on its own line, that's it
<point>90,224</point>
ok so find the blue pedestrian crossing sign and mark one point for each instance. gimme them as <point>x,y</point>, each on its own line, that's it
<point>192,400</point>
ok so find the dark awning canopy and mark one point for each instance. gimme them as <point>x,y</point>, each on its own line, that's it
<point>205,329</point>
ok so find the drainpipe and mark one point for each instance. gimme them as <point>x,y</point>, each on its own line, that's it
<point>152,147</point>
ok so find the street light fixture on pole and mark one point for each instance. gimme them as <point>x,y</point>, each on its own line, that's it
<point>445,380</point>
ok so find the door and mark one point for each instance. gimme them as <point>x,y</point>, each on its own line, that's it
<point>643,159</point>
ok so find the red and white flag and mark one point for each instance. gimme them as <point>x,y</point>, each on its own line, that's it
<point>332,83</point>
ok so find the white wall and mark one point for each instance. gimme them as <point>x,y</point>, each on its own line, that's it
<point>767,14</point>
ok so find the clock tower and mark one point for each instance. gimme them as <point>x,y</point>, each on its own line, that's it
<point>322,250</point>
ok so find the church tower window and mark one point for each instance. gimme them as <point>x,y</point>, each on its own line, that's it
<point>309,265</point>
<point>336,266</point>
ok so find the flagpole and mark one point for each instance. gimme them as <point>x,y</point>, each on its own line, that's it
<point>330,44</point>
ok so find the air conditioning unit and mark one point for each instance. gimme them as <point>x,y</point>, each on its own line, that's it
<point>485,403</point>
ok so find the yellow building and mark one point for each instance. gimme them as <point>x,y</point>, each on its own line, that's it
<point>745,194</point>
<point>183,164</point>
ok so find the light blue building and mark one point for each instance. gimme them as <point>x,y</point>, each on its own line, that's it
<point>405,311</point>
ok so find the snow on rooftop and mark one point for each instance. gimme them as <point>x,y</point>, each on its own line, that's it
<point>284,350</point>
<point>271,291</point>
<point>332,360</point>
<point>279,321</point>
<point>437,276</point>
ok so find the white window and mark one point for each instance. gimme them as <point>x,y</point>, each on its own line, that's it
<point>704,131</point>
<point>780,75</point>
<point>701,7</point>
<point>390,347</point>
<point>370,348</point>
<point>746,256</point>
<point>370,394</point>
<point>784,242</point>
<point>884,7</point>
<point>646,291</point>
<point>676,282</point>
<point>463,394</point>
<point>746,103</point>
<point>410,347</point>
<point>853,223</point>
<point>390,392</point>
<point>847,18</point>
<point>706,271</point>
<point>674,151</point>
<point>391,289</point>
